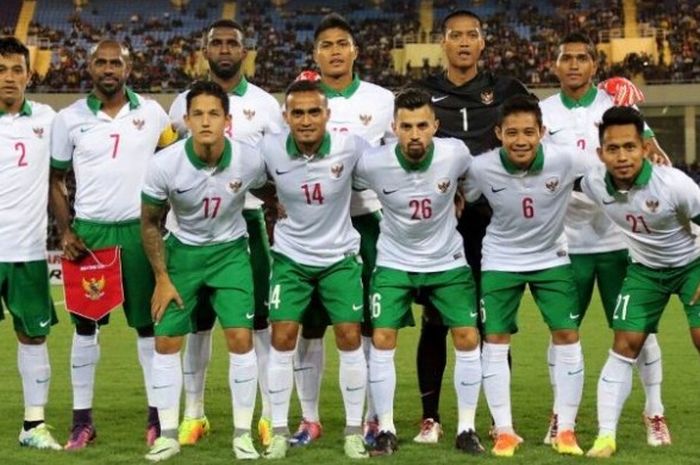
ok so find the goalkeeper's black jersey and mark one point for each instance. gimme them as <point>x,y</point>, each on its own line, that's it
<point>469,112</point>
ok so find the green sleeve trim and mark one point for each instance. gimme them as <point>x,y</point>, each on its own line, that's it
<point>696,220</point>
<point>60,164</point>
<point>648,133</point>
<point>145,198</point>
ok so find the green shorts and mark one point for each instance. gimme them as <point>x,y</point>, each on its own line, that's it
<point>607,271</point>
<point>223,271</point>
<point>24,289</point>
<point>645,293</point>
<point>259,247</point>
<point>452,292</point>
<point>368,227</point>
<point>339,288</point>
<point>137,275</point>
<point>554,291</point>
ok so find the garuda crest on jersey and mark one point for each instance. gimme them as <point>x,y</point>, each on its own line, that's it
<point>39,132</point>
<point>336,170</point>
<point>235,185</point>
<point>138,123</point>
<point>487,97</point>
<point>652,205</point>
<point>94,288</point>
<point>443,185</point>
<point>552,184</point>
<point>249,114</point>
<point>366,119</point>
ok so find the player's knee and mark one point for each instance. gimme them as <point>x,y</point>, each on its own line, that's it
<point>565,336</point>
<point>313,332</point>
<point>695,334</point>
<point>146,331</point>
<point>284,336</point>
<point>628,344</point>
<point>347,336</point>
<point>238,340</point>
<point>30,341</point>
<point>465,338</point>
<point>384,339</point>
<point>168,345</point>
<point>86,328</point>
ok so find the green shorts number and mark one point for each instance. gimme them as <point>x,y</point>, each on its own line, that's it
<point>24,289</point>
<point>645,293</point>
<point>452,292</point>
<point>339,288</point>
<point>222,271</point>
<point>607,271</point>
<point>137,275</point>
<point>554,291</point>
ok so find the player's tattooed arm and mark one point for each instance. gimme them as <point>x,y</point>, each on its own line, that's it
<point>164,292</point>
<point>72,245</point>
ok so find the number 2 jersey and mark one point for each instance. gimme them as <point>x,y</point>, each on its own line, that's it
<point>418,231</point>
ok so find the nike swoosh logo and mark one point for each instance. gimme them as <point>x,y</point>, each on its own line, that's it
<point>608,202</point>
<point>249,315</point>
<point>280,173</point>
<point>356,308</point>
<point>437,99</point>
<point>44,324</point>
<point>470,384</point>
<point>353,389</point>
<point>573,317</point>
<point>646,364</point>
<point>386,192</point>
<point>302,369</point>
<point>163,386</point>
<point>572,373</point>
<point>271,391</point>
<point>42,381</point>
<point>182,191</point>
<point>375,381</point>
<point>474,314</point>
<point>158,451</point>
<point>84,129</point>
<point>490,375</point>
<point>82,366</point>
<point>241,381</point>
<point>495,191</point>
<point>612,381</point>
<point>188,373</point>
<point>551,133</point>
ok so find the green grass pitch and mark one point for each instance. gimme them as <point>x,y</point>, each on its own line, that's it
<point>120,401</point>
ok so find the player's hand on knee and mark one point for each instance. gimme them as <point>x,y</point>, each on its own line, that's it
<point>624,92</point>
<point>163,294</point>
<point>72,245</point>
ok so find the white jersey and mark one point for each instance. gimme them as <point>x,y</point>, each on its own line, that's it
<point>253,111</point>
<point>315,194</point>
<point>573,124</point>
<point>109,155</point>
<point>526,232</point>
<point>366,110</point>
<point>654,215</point>
<point>24,182</point>
<point>206,202</point>
<point>418,231</point>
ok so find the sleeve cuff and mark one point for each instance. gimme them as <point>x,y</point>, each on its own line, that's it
<point>60,164</point>
<point>145,198</point>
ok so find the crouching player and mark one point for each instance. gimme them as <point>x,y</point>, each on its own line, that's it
<point>204,180</point>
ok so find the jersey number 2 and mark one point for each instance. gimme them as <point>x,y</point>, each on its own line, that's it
<point>22,151</point>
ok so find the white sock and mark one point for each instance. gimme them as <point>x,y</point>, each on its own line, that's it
<point>614,387</point>
<point>569,383</point>
<point>84,355</point>
<point>366,347</point>
<point>551,363</point>
<point>352,375</point>
<point>382,382</point>
<point>167,385</point>
<point>651,374</point>
<point>34,367</point>
<point>467,381</point>
<point>262,352</point>
<point>496,381</point>
<point>243,380</point>
<point>146,347</point>
<point>195,362</point>
<point>308,370</point>
<point>280,379</point>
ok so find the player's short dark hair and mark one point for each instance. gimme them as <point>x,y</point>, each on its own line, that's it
<point>333,21</point>
<point>412,99</point>
<point>580,38</point>
<point>520,104</point>
<point>223,24</point>
<point>303,86</point>
<point>458,13</point>
<point>208,88</point>
<point>12,46</point>
<point>621,116</point>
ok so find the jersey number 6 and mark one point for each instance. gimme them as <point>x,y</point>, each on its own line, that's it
<point>528,207</point>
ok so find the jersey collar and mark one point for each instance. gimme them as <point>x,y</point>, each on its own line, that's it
<point>535,166</point>
<point>421,165</point>
<point>584,101</point>
<point>641,180</point>
<point>347,92</point>
<point>25,110</point>
<point>197,162</point>
<point>241,88</point>
<point>95,104</point>
<point>323,150</point>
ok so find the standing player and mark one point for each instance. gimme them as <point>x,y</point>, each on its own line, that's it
<point>204,179</point>
<point>597,249</point>
<point>315,251</point>
<point>254,113</point>
<point>24,274</point>
<point>363,109</point>
<point>108,138</point>
<point>528,186</point>
<point>419,248</point>
<point>653,206</point>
